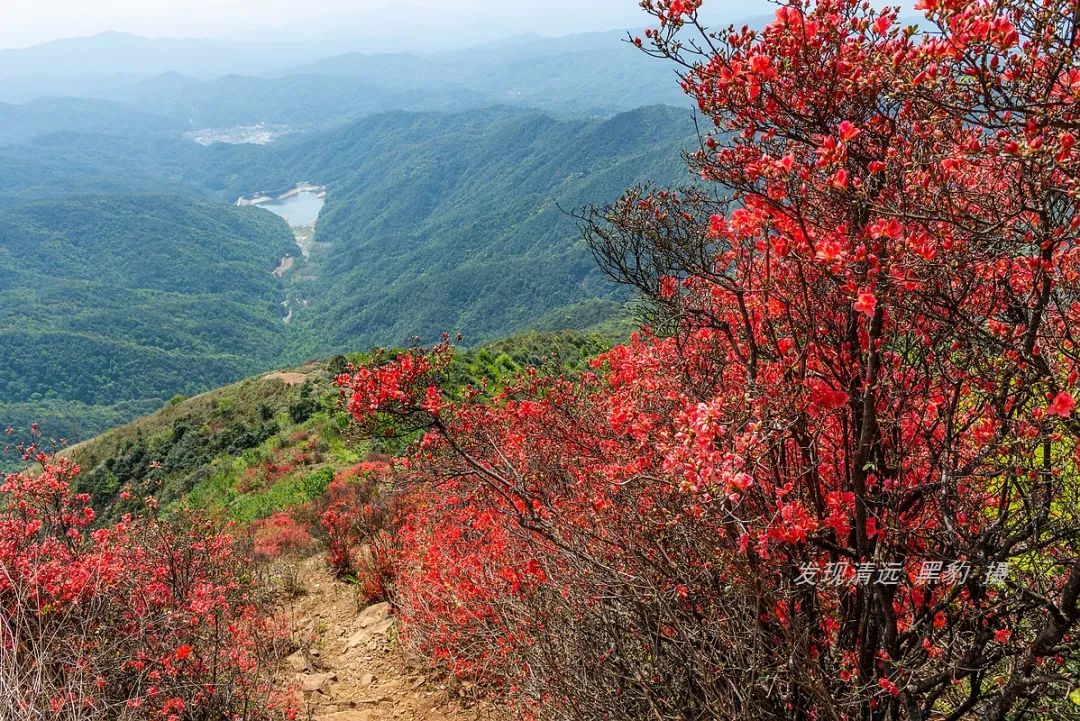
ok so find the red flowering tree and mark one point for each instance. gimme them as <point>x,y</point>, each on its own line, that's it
<point>837,478</point>
<point>144,619</point>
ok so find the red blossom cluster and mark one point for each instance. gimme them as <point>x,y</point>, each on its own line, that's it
<point>356,521</point>
<point>144,619</point>
<point>861,352</point>
<point>279,535</point>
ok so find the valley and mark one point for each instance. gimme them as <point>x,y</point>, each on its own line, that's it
<point>427,222</point>
<point>300,207</point>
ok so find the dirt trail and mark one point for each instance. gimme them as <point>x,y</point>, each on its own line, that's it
<point>354,669</point>
<point>285,267</point>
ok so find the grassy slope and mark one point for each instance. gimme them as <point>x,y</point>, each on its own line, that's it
<point>276,440</point>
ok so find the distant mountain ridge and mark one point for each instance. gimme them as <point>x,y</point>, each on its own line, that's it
<point>109,54</point>
<point>192,82</point>
<point>106,62</point>
<point>24,122</point>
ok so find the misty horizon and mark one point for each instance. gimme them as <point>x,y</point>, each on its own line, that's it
<point>382,24</point>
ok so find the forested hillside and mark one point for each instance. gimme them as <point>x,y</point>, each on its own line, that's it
<point>66,163</point>
<point>21,123</point>
<point>270,442</point>
<point>459,222</point>
<point>116,303</point>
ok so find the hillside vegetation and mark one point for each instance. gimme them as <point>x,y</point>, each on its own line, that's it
<point>275,441</point>
<point>116,303</point>
<point>116,300</point>
<point>23,123</point>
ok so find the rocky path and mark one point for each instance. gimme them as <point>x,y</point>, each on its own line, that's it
<point>351,668</point>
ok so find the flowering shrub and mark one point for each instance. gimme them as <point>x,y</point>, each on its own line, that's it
<point>279,542</point>
<point>867,358</point>
<point>144,619</point>
<point>462,586</point>
<point>279,535</point>
<point>337,522</point>
<point>357,520</point>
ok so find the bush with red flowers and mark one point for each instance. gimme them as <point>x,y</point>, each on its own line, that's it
<point>279,542</point>
<point>279,536</point>
<point>148,618</point>
<point>837,476</point>
<point>357,519</point>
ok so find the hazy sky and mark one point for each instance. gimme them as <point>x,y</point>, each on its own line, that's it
<point>27,22</point>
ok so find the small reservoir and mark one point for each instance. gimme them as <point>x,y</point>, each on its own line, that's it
<point>298,210</point>
<point>299,206</point>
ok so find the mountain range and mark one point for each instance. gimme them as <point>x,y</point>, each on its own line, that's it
<point>128,275</point>
<point>201,83</point>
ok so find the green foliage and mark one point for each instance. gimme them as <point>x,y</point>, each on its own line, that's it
<point>110,301</point>
<point>64,164</point>
<point>275,441</point>
<point>193,441</point>
<point>434,222</point>
<point>306,405</point>
<point>294,490</point>
<point>561,352</point>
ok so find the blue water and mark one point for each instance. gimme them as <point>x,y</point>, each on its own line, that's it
<point>297,210</point>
